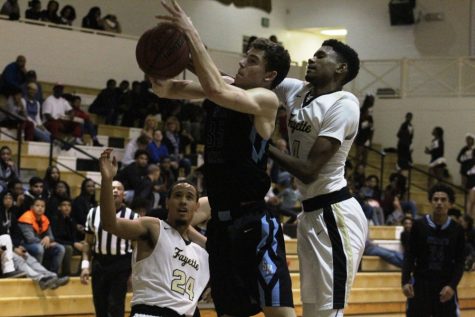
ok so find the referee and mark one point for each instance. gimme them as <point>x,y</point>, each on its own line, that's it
<point>111,259</point>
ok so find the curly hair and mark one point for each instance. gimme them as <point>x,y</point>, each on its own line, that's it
<point>277,58</point>
<point>444,189</point>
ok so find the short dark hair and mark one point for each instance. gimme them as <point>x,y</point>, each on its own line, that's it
<point>439,132</point>
<point>277,58</point>
<point>141,152</point>
<point>407,218</point>
<point>348,55</point>
<point>64,199</point>
<point>35,180</point>
<point>182,182</point>
<point>35,199</point>
<point>444,189</point>
<point>142,139</point>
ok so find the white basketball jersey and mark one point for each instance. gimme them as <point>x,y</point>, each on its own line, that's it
<point>173,276</point>
<point>334,115</point>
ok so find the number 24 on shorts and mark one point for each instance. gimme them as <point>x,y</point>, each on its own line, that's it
<point>182,285</point>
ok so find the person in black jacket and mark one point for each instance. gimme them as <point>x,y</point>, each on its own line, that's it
<point>132,175</point>
<point>65,232</point>
<point>404,143</point>
<point>83,203</point>
<point>434,260</point>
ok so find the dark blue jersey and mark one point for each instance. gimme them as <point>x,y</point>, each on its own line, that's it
<point>235,158</point>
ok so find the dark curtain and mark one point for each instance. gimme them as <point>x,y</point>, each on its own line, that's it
<point>265,5</point>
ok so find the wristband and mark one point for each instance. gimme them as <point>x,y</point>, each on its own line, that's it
<point>84,264</point>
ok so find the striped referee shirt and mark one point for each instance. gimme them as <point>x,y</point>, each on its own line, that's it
<point>106,243</point>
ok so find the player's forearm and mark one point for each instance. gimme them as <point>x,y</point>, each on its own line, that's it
<point>297,167</point>
<point>108,217</point>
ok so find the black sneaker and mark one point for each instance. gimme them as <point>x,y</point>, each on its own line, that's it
<point>61,281</point>
<point>47,282</point>
<point>13,274</point>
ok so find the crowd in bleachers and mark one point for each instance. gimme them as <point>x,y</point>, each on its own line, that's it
<point>61,16</point>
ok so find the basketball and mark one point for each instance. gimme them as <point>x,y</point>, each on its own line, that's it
<point>162,52</point>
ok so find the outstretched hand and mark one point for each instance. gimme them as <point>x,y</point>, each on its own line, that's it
<point>177,16</point>
<point>107,166</point>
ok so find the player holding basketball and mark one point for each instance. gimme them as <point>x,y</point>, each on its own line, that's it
<point>322,124</point>
<point>169,272</point>
<point>245,242</point>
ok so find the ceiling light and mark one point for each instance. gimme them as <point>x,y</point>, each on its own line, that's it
<point>334,32</point>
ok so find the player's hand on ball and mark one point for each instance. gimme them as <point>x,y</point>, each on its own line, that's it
<point>107,166</point>
<point>177,16</point>
<point>408,290</point>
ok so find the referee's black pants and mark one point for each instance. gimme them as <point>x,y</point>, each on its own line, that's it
<point>109,284</point>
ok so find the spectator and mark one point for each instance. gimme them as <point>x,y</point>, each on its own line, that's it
<point>51,12</point>
<point>359,177</point>
<point>58,115</point>
<point>8,170</point>
<point>60,192</point>
<point>156,148</point>
<point>33,113</point>
<point>406,233</point>
<point>131,176</point>
<point>65,233</point>
<point>13,76</point>
<point>434,259</point>
<point>15,187</point>
<point>469,230</point>
<point>167,179</point>
<point>107,102</point>
<point>369,196</point>
<point>93,19</point>
<point>51,178</point>
<point>437,166</point>
<point>275,169</point>
<point>7,268</point>
<point>286,198</point>
<point>35,191</point>
<point>176,143</point>
<point>139,143</point>
<point>34,10</point>
<point>129,102</point>
<point>365,130</point>
<point>83,203</point>
<point>148,188</point>
<point>38,238</point>
<point>391,256</point>
<point>67,15</point>
<point>32,78</point>
<point>404,144</point>
<point>12,9</point>
<point>17,106</point>
<point>466,157</point>
<point>84,116</point>
<point>111,24</point>
<point>150,125</point>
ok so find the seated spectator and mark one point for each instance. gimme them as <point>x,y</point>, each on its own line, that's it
<point>286,197</point>
<point>38,238</point>
<point>394,197</point>
<point>7,268</point>
<point>156,148</point>
<point>93,19</point>
<point>275,169</point>
<point>83,203</point>
<point>15,187</point>
<point>8,169</point>
<point>35,191</point>
<point>148,187</point>
<point>167,179</point>
<point>107,102</point>
<point>369,196</point>
<point>60,191</point>
<point>111,24</point>
<point>129,102</point>
<point>359,177</point>
<point>51,12</point>
<point>67,15</point>
<point>87,123</point>
<point>150,125</point>
<point>13,76</point>
<point>57,113</point>
<point>33,112</point>
<point>17,106</point>
<point>176,143</point>
<point>12,9</point>
<point>65,232</point>
<point>392,257</point>
<point>132,175</point>
<point>32,78</point>
<point>34,10</point>
<point>51,178</point>
<point>139,143</point>
<point>406,233</point>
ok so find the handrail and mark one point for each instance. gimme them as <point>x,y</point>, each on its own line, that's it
<point>19,121</point>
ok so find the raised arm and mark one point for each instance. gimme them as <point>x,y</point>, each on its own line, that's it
<point>137,229</point>
<point>256,101</point>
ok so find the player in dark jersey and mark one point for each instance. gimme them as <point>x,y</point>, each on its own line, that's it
<point>245,242</point>
<point>434,260</point>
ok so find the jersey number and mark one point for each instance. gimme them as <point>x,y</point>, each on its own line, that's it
<point>183,285</point>
<point>295,148</point>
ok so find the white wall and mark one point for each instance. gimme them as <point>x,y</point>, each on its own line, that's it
<point>455,115</point>
<point>369,30</point>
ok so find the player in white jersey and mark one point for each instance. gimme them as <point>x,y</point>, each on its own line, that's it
<point>322,124</point>
<point>169,272</point>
